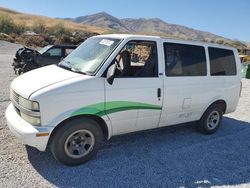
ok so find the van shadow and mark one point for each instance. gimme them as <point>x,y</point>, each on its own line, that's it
<point>167,157</point>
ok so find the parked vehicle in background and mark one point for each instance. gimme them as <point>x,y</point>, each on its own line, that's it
<point>27,59</point>
<point>116,84</point>
<point>246,69</point>
<point>244,54</point>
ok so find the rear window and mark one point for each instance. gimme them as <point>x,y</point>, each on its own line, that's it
<point>185,60</point>
<point>222,62</point>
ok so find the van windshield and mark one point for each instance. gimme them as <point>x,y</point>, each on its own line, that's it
<point>89,55</point>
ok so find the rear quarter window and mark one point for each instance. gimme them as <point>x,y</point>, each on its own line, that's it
<point>185,60</point>
<point>222,62</point>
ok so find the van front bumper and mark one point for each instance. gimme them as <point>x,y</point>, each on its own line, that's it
<point>31,135</point>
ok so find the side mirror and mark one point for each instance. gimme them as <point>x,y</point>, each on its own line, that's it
<point>111,74</point>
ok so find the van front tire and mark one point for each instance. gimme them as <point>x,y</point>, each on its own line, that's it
<point>211,120</point>
<point>76,141</point>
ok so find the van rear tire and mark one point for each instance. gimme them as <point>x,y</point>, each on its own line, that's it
<point>76,141</point>
<point>211,120</point>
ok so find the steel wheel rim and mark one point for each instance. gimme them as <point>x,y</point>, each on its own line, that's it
<point>213,120</point>
<point>79,144</point>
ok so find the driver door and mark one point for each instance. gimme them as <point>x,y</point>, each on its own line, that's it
<point>134,101</point>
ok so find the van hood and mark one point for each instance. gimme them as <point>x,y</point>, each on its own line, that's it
<point>34,80</point>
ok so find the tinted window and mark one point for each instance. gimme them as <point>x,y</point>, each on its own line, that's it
<point>222,62</point>
<point>184,60</point>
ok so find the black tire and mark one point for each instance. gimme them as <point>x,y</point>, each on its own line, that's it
<point>211,120</point>
<point>66,144</point>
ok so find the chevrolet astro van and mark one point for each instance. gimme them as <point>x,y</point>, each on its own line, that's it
<point>116,84</point>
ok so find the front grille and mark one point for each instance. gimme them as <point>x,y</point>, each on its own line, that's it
<point>14,97</point>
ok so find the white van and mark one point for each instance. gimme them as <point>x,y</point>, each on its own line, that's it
<point>116,84</point>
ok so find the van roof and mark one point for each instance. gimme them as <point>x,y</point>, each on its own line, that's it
<point>148,37</point>
<point>123,36</point>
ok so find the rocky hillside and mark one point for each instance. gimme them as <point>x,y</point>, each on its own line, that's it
<point>30,20</point>
<point>103,20</point>
<point>144,26</point>
<point>156,25</point>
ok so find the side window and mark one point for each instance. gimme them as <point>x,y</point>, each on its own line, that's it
<point>222,62</point>
<point>137,59</point>
<point>184,60</point>
<point>68,51</point>
<point>55,52</point>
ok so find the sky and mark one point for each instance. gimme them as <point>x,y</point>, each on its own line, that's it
<point>227,18</point>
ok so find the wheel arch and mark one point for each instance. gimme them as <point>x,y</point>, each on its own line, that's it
<point>220,102</point>
<point>105,129</point>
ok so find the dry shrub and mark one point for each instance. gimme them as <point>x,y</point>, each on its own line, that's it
<point>32,41</point>
<point>63,39</point>
<point>6,37</point>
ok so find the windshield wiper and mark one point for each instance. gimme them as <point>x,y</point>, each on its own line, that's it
<point>65,66</point>
<point>64,63</point>
<point>69,66</point>
<point>78,71</point>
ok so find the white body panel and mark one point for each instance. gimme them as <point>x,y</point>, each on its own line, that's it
<point>62,94</point>
<point>58,102</point>
<point>140,90</point>
<point>187,98</point>
<point>32,81</point>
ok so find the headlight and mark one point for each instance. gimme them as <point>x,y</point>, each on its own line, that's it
<point>27,109</point>
<point>32,120</point>
<point>31,105</point>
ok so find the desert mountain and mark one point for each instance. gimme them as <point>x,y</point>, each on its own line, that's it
<point>143,26</point>
<point>103,20</point>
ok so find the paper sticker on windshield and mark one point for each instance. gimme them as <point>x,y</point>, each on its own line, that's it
<point>106,42</point>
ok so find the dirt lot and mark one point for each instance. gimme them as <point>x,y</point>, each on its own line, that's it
<point>170,157</point>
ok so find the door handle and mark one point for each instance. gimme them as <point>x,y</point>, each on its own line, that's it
<point>159,93</point>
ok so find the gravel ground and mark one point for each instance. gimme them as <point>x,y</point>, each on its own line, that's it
<point>169,157</point>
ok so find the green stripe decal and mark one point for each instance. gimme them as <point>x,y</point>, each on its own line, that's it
<point>112,107</point>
